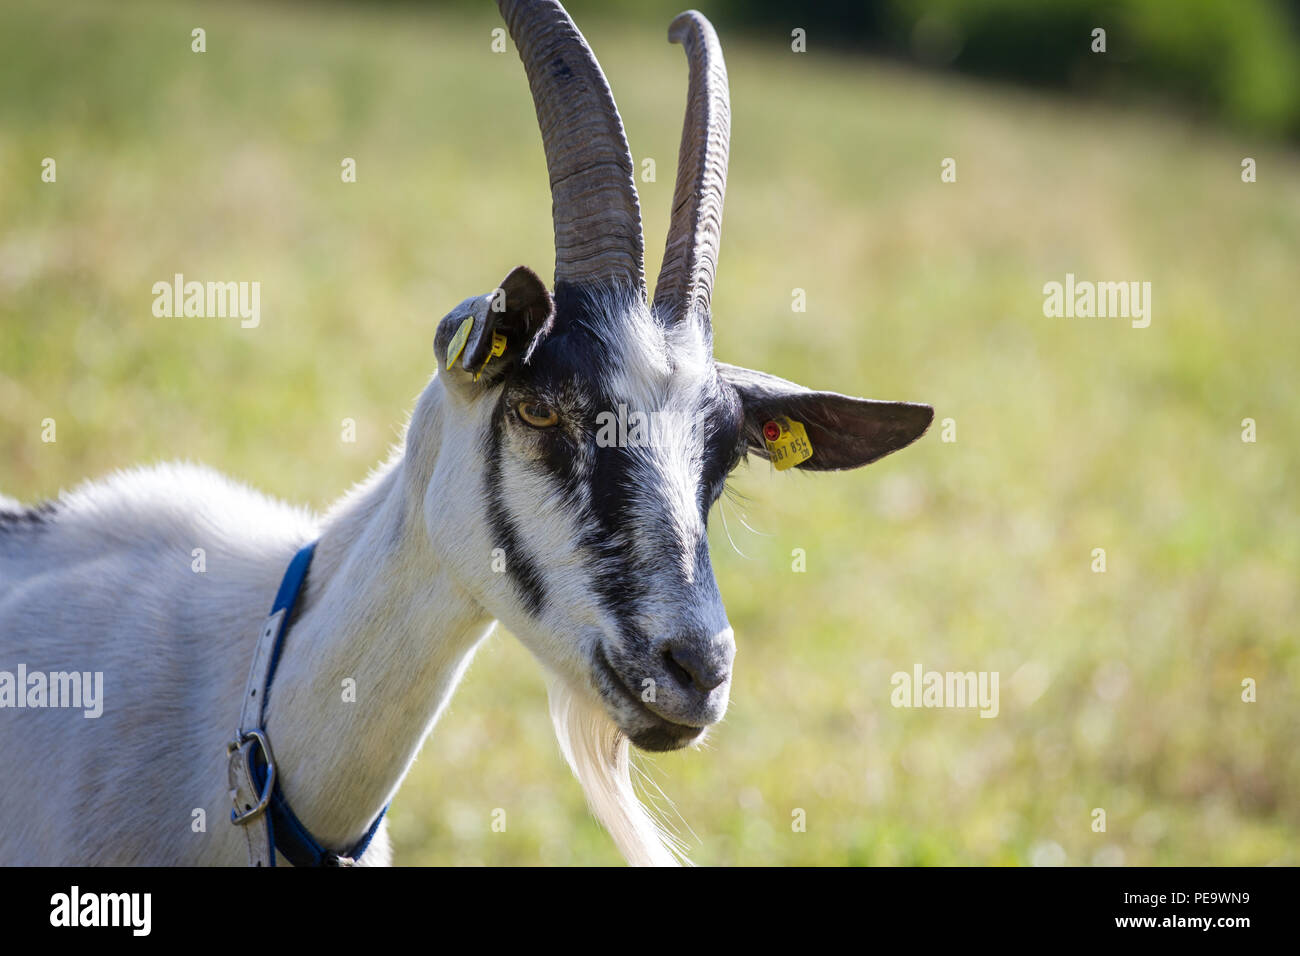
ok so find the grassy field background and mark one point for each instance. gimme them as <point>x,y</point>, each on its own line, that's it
<point>1119,690</point>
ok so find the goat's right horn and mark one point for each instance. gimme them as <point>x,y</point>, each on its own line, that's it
<point>593,194</point>
<point>691,256</point>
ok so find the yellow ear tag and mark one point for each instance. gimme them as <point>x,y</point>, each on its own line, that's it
<point>787,442</point>
<point>498,348</point>
<point>457,343</point>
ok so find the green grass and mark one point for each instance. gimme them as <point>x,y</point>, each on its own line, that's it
<point>1119,690</point>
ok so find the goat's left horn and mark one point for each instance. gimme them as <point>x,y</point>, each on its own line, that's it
<point>685,282</point>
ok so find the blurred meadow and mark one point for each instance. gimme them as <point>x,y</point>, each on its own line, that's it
<point>1119,690</point>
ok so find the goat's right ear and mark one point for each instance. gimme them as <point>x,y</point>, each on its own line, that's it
<point>482,338</point>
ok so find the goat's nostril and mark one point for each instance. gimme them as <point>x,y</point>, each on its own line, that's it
<point>690,669</point>
<point>678,671</point>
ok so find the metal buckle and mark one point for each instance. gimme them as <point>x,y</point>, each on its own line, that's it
<point>243,819</point>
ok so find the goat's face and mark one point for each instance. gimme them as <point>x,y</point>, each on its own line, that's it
<point>601,456</point>
<point>582,440</point>
<point>600,439</point>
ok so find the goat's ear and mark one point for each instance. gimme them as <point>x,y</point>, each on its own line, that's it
<point>844,432</point>
<point>515,317</point>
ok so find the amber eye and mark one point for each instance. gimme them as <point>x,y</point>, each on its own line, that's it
<point>537,414</point>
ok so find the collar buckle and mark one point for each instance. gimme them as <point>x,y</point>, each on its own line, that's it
<point>259,739</point>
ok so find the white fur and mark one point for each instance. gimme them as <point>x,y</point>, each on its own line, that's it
<point>397,600</point>
<point>600,759</point>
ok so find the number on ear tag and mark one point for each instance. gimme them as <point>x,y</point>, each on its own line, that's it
<point>787,442</point>
<point>498,348</point>
<point>457,343</point>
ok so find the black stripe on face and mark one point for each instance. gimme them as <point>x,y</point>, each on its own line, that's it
<point>521,566</point>
<point>722,417</point>
<point>611,526</point>
<point>599,484</point>
<point>633,550</point>
<point>602,486</point>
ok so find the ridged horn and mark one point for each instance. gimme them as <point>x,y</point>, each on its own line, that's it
<point>691,255</point>
<point>593,194</point>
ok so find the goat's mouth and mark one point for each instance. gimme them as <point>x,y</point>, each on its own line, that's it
<point>646,729</point>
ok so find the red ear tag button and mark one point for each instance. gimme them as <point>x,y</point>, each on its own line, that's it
<point>787,442</point>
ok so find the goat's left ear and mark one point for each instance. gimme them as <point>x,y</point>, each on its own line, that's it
<point>515,316</point>
<point>844,432</point>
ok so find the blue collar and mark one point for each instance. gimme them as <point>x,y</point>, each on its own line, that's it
<point>285,831</point>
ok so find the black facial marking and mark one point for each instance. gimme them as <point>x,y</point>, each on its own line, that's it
<point>723,444</point>
<point>521,564</point>
<point>608,538</point>
<point>570,371</point>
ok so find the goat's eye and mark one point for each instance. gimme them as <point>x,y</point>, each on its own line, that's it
<point>537,414</point>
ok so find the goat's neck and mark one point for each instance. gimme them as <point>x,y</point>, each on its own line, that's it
<point>380,612</point>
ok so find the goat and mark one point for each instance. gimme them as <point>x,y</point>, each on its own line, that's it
<point>502,503</point>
